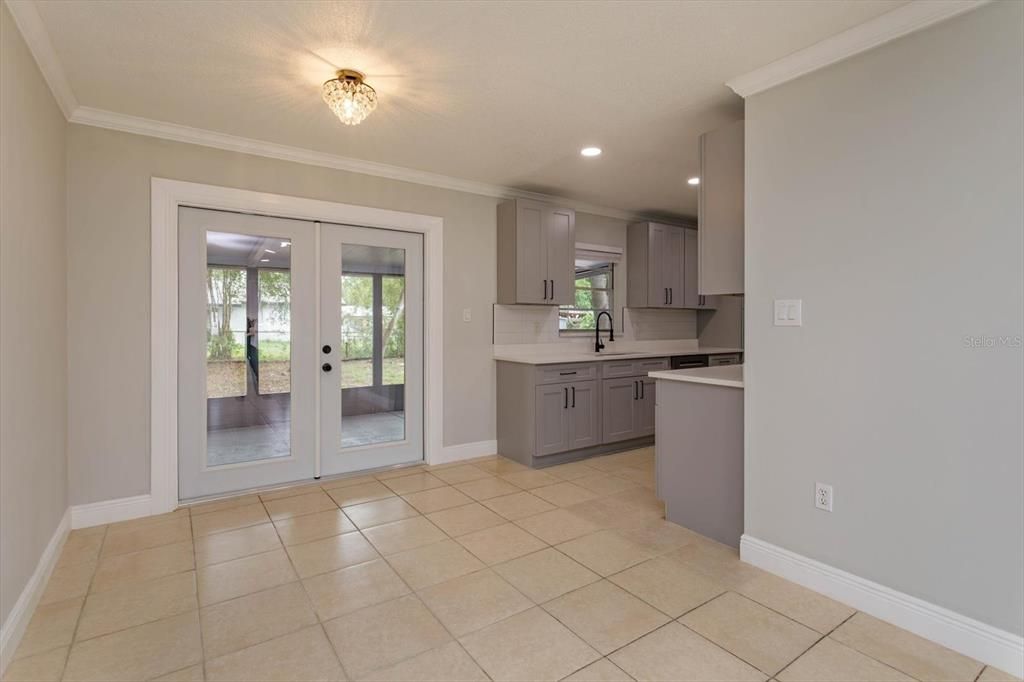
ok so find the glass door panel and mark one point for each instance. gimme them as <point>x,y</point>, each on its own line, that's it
<point>372,405</point>
<point>246,403</point>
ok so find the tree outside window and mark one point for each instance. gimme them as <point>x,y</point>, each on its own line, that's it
<point>594,293</point>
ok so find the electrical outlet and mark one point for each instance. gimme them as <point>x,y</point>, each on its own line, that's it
<point>823,496</point>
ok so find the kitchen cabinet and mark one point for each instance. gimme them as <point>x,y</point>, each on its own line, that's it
<point>536,253</point>
<point>627,408</point>
<point>566,417</point>
<point>692,298</point>
<point>663,267</point>
<point>548,414</point>
<point>720,218</point>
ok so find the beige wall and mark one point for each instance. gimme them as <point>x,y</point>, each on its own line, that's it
<point>885,191</point>
<point>108,289</point>
<point>33,335</point>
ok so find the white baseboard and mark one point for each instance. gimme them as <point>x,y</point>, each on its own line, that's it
<point>110,511</point>
<point>960,633</point>
<point>17,620</point>
<point>457,453</point>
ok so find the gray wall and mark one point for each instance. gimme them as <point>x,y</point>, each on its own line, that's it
<point>108,289</point>
<point>885,191</point>
<point>33,336</point>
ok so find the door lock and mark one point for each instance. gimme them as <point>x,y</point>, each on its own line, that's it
<point>326,349</point>
<point>326,367</point>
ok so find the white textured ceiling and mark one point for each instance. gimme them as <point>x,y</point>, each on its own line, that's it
<point>498,92</point>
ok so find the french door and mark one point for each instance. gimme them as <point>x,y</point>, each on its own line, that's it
<point>269,394</point>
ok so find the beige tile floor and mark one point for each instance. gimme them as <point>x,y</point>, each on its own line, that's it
<point>472,571</point>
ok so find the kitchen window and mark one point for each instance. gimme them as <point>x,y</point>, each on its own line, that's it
<point>595,289</point>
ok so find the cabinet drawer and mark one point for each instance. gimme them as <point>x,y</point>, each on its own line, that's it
<point>617,368</point>
<point>719,360</point>
<point>650,365</point>
<point>614,369</point>
<point>555,374</point>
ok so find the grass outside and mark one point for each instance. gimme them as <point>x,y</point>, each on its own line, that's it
<point>226,378</point>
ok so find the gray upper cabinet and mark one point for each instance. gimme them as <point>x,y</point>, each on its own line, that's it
<point>536,251</point>
<point>720,211</point>
<point>663,267</point>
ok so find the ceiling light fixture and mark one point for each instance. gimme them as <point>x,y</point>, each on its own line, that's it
<point>693,181</point>
<point>591,151</point>
<point>285,244</point>
<point>349,97</point>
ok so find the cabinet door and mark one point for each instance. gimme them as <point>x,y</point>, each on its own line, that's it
<point>619,398</point>
<point>531,253</point>
<point>720,211</point>
<point>552,419</point>
<point>691,298</point>
<point>672,269</point>
<point>657,277</point>
<point>584,406</point>
<point>645,407</point>
<point>561,255</point>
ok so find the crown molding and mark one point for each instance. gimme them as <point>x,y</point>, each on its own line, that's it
<point>30,24</point>
<point>899,22</point>
<point>178,133</point>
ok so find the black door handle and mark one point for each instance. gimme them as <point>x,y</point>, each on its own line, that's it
<point>574,396</point>
<point>326,349</point>
<point>326,367</point>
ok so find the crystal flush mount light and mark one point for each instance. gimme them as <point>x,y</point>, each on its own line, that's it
<point>349,97</point>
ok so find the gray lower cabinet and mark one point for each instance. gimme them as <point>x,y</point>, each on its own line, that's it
<point>567,417</point>
<point>552,419</point>
<point>555,413</point>
<point>585,421</point>
<point>645,407</point>
<point>627,408</point>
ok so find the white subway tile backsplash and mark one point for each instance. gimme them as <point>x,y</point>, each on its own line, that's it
<point>518,324</point>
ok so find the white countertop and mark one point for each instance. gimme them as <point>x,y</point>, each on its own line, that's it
<point>726,375</point>
<point>529,355</point>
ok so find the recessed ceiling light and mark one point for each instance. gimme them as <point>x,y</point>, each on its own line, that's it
<point>591,151</point>
<point>694,181</point>
<point>285,244</point>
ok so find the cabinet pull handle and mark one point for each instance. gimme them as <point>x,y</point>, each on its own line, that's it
<point>566,392</point>
<point>670,295</point>
<point>566,374</point>
<point>545,290</point>
<point>636,391</point>
<point>641,389</point>
<point>552,290</point>
<point>574,396</point>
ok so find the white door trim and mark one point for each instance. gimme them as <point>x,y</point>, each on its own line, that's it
<point>166,197</point>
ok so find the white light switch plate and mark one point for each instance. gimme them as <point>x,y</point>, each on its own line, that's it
<point>788,312</point>
<point>467,314</point>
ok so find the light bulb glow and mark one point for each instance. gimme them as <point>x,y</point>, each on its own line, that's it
<point>693,181</point>
<point>591,151</point>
